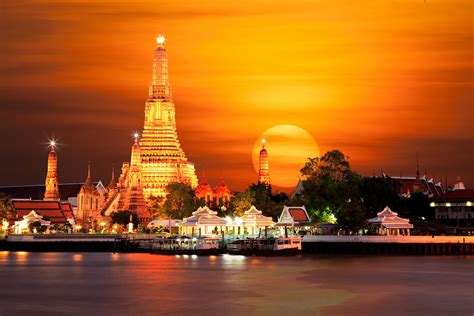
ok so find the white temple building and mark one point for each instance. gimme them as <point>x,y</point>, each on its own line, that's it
<point>203,222</point>
<point>253,220</point>
<point>23,225</point>
<point>388,223</point>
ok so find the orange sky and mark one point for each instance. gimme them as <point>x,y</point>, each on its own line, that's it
<point>379,80</point>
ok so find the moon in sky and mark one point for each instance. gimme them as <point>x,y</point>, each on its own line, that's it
<point>288,147</point>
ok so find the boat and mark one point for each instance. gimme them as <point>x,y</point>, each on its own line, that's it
<point>265,246</point>
<point>187,246</point>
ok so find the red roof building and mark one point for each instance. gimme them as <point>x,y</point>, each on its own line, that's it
<point>455,205</point>
<point>52,209</point>
<point>293,216</point>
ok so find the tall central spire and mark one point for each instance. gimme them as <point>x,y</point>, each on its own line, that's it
<point>160,87</point>
<point>162,159</point>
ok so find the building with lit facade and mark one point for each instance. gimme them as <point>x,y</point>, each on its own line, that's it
<point>162,159</point>
<point>455,207</point>
<point>90,201</point>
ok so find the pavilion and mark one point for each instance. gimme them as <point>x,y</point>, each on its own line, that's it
<point>293,216</point>
<point>23,225</point>
<point>388,223</point>
<point>204,221</point>
<point>253,220</point>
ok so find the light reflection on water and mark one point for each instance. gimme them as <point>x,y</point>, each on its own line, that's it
<point>126,284</point>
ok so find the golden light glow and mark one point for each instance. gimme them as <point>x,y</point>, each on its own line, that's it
<point>160,39</point>
<point>350,77</point>
<point>288,148</point>
<point>52,143</point>
<point>468,203</point>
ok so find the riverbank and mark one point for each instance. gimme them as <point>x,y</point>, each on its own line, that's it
<point>314,244</point>
<point>401,245</point>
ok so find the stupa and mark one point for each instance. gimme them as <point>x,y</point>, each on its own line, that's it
<point>51,182</point>
<point>162,159</point>
<point>263,166</point>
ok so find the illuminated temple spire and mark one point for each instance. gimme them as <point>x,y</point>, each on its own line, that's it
<point>162,159</point>
<point>52,189</point>
<point>263,166</point>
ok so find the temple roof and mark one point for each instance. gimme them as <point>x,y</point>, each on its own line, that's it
<point>390,219</point>
<point>204,216</point>
<point>293,215</point>
<point>52,209</point>
<point>254,216</point>
<point>458,195</point>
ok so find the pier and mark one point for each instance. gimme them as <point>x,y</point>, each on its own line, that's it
<point>406,245</point>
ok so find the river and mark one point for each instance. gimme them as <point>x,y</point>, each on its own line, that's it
<point>145,284</point>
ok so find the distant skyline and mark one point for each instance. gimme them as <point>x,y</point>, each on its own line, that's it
<point>378,80</point>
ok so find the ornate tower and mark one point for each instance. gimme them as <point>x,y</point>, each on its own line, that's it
<point>52,189</point>
<point>263,167</point>
<point>131,190</point>
<point>162,159</point>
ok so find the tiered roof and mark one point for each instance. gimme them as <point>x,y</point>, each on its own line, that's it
<point>52,209</point>
<point>255,217</point>
<point>389,219</point>
<point>204,216</point>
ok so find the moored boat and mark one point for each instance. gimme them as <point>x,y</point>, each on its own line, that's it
<point>187,245</point>
<point>265,246</point>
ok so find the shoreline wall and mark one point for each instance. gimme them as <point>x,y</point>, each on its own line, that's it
<point>403,245</point>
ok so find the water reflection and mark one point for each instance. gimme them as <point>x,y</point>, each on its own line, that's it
<point>132,284</point>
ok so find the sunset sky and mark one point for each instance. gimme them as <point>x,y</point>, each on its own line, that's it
<point>379,80</point>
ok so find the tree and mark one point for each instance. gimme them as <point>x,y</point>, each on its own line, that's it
<point>242,202</point>
<point>329,186</point>
<point>123,218</point>
<point>378,192</point>
<point>6,210</point>
<point>37,226</point>
<point>155,206</point>
<point>180,201</point>
<point>416,206</point>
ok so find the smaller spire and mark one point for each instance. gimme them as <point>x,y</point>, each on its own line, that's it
<point>88,184</point>
<point>112,183</point>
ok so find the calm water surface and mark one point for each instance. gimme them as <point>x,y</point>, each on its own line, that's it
<point>144,284</point>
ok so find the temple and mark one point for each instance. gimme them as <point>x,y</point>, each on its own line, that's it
<point>51,183</point>
<point>263,167</point>
<point>130,186</point>
<point>162,159</point>
<point>219,196</point>
<point>89,202</point>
